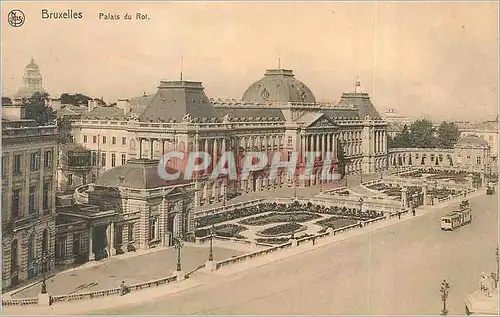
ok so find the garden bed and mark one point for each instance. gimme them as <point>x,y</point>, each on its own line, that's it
<point>228,231</point>
<point>272,240</point>
<point>336,223</point>
<point>282,230</point>
<point>279,217</point>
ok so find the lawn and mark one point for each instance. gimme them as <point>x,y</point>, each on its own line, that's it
<point>279,217</point>
<point>336,223</point>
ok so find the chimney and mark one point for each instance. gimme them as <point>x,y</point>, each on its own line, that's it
<point>92,104</point>
<point>124,104</point>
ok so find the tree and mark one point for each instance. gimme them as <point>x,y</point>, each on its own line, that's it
<point>422,134</point>
<point>64,130</point>
<point>37,109</point>
<point>401,140</point>
<point>75,99</point>
<point>447,135</point>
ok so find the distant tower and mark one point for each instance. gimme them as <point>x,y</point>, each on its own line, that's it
<point>32,81</point>
<point>357,87</point>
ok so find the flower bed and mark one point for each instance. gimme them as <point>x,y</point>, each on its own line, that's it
<point>228,230</point>
<point>283,229</point>
<point>279,217</point>
<point>395,191</point>
<point>272,240</point>
<point>235,214</point>
<point>379,186</point>
<point>441,193</point>
<point>335,222</point>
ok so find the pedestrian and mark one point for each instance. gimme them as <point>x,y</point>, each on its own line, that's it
<point>123,288</point>
<point>399,215</point>
<point>314,240</point>
<point>413,211</point>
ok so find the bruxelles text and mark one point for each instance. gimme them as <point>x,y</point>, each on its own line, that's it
<point>189,165</point>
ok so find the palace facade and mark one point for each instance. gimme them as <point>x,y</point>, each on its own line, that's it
<point>276,113</point>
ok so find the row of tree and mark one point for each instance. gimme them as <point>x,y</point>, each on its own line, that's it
<point>423,134</point>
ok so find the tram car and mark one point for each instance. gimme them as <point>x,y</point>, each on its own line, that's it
<point>457,218</point>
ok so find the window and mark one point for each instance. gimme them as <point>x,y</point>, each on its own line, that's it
<point>94,158</point>
<point>290,140</point>
<point>468,156</point>
<point>31,200</point>
<point>84,179</point>
<point>17,164</point>
<point>93,177</point>
<point>46,197</point>
<point>77,243</point>
<point>153,232</point>
<point>34,162</point>
<point>113,160</point>
<point>113,140</point>
<point>84,139</point>
<point>16,196</point>
<point>94,139</point>
<point>130,232</point>
<point>490,138</point>
<point>103,159</point>
<point>47,159</point>
<point>124,141</point>
<point>61,248</point>
<point>103,140</point>
<point>118,235</point>
<point>124,159</point>
<point>70,179</point>
<point>478,160</point>
<point>4,165</point>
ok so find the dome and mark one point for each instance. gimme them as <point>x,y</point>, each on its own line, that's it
<point>278,85</point>
<point>138,174</point>
<point>32,64</point>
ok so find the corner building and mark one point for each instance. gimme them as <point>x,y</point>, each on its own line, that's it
<point>28,200</point>
<point>276,113</point>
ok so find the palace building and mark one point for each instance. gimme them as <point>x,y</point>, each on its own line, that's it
<point>32,81</point>
<point>28,200</point>
<point>276,113</point>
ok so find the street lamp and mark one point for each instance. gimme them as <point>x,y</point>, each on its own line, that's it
<point>496,253</point>
<point>44,261</point>
<point>293,228</point>
<point>178,245</point>
<point>212,234</point>
<point>445,290</point>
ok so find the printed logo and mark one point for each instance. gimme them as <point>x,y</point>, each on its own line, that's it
<point>16,18</point>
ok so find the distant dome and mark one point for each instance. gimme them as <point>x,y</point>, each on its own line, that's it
<point>278,85</point>
<point>32,64</point>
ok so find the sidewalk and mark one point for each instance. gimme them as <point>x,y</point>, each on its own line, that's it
<point>109,273</point>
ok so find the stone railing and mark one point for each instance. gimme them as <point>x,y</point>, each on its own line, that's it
<point>91,295</point>
<point>252,255</point>
<point>218,210</point>
<point>80,196</point>
<point>449,197</point>
<point>20,302</point>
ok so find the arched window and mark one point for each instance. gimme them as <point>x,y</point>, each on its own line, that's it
<point>45,242</point>
<point>132,143</point>
<point>14,255</point>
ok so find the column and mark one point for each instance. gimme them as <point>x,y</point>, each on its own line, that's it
<point>223,145</point>
<point>140,149</point>
<point>91,238</point>
<point>151,148</point>
<point>215,152</point>
<point>163,146</point>
<point>316,148</point>
<point>112,250</point>
<point>303,140</point>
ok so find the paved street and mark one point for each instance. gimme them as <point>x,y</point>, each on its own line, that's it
<point>132,270</point>
<point>394,270</point>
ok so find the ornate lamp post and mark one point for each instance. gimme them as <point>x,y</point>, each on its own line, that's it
<point>44,261</point>
<point>445,290</point>
<point>496,253</point>
<point>360,204</point>
<point>178,245</point>
<point>293,224</point>
<point>212,235</point>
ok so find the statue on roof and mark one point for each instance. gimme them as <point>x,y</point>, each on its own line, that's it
<point>225,119</point>
<point>486,284</point>
<point>133,116</point>
<point>187,118</point>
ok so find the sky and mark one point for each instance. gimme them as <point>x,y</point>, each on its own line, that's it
<point>428,59</point>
